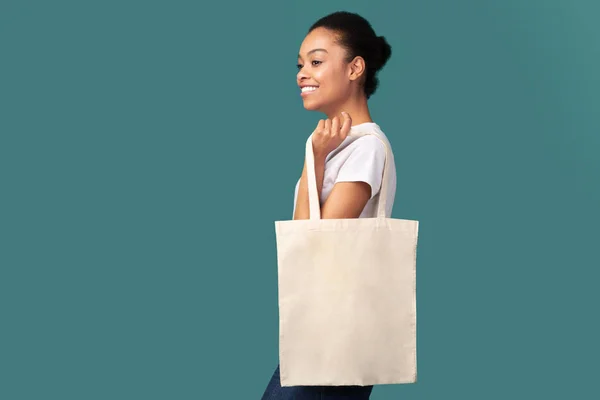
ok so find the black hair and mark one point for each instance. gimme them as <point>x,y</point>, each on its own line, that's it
<point>357,36</point>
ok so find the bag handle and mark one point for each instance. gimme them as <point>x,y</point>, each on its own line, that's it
<point>313,198</point>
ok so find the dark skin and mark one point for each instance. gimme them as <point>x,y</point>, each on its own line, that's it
<point>339,94</point>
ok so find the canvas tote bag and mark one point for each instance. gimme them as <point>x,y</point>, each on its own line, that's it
<point>347,295</point>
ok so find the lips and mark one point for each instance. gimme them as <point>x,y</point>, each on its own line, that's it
<point>305,90</point>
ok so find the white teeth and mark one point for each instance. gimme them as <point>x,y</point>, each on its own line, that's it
<point>308,89</point>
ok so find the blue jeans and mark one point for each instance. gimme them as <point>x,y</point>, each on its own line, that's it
<point>274,391</point>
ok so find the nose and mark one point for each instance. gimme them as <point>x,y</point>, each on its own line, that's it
<point>302,75</point>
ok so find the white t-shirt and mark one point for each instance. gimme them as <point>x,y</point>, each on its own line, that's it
<point>360,160</point>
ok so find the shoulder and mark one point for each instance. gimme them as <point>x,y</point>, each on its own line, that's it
<point>368,145</point>
<point>365,154</point>
<point>369,141</point>
<point>364,162</point>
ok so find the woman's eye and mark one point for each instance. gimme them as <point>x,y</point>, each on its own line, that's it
<point>313,63</point>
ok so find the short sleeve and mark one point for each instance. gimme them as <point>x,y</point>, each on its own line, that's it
<point>365,163</point>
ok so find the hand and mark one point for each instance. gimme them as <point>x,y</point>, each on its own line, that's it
<point>329,134</point>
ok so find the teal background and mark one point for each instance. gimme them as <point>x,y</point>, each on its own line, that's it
<point>147,147</point>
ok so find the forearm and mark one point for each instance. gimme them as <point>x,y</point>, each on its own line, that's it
<point>302,204</point>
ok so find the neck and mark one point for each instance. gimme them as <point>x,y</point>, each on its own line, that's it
<point>356,106</point>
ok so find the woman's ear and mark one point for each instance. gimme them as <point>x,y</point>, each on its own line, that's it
<point>357,68</point>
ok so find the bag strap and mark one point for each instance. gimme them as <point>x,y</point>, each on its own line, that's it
<point>313,198</point>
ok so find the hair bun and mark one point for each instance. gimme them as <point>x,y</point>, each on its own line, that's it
<point>385,52</point>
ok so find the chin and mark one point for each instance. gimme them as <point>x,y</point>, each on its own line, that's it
<point>311,106</point>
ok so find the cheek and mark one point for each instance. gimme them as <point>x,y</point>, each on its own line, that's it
<point>336,85</point>
<point>330,79</point>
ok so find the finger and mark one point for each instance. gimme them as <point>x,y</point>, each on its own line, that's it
<point>327,126</point>
<point>335,126</point>
<point>320,126</point>
<point>347,124</point>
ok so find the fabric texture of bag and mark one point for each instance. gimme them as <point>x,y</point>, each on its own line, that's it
<point>347,296</point>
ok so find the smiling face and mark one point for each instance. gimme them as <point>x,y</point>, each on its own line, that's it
<point>325,77</point>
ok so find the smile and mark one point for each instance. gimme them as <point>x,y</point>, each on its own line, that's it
<point>308,89</point>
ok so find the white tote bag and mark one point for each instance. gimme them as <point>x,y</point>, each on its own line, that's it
<point>347,296</point>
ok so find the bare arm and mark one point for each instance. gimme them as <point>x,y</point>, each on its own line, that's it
<point>346,200</point>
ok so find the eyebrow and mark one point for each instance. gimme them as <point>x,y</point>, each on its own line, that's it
<point>312,51</point>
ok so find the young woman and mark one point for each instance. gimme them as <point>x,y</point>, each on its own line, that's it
<point>338,63</point>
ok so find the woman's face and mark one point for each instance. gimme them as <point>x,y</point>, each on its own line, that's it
<point>323,73</point>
